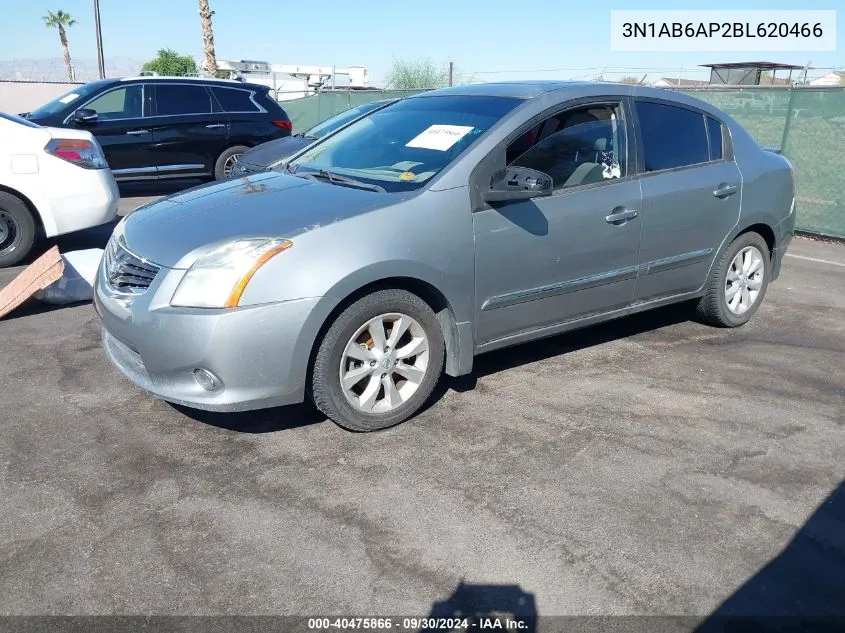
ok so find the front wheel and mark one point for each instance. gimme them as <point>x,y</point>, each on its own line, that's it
<point>379,361</point>
<point>738,282</point>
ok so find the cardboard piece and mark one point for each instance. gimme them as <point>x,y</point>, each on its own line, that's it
<point>44,271</point>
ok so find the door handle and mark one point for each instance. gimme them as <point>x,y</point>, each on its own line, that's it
<point>212,126</point>
<point>620,215</point>
<point>724,191</point>
<point>136,132</point>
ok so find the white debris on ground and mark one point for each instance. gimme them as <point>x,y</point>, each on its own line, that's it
<point>77,281</point>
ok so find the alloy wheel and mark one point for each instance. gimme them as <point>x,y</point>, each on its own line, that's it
<point>384,363</point>
<point>744,280</point>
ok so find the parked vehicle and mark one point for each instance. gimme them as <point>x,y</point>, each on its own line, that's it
<point>170,127</point>
<point>268,155</point>
<point>446,225</point>
<point>52,181</point>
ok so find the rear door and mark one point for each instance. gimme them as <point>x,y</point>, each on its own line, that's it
<point>123,131</point>
<point>188,131</point>
<point>253,117</point>
<point>691,190</point>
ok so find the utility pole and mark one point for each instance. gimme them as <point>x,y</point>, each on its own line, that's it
<point>101,65</point>
<point>451,72</point>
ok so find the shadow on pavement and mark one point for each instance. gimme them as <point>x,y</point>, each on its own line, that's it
<point>484,606</point>
<point>802,589</point>
<point>526,353</point>
<point>259,421</point>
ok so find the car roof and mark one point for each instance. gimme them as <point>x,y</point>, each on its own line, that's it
<point>515,89</point>
<point>227,83</point>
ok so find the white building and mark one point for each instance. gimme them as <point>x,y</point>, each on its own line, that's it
<point>833,78</point>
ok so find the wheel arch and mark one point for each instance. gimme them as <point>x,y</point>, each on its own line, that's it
<point>44,228</point>
<point>458,354</point>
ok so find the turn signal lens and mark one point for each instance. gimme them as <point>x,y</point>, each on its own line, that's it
<point>238,290</point>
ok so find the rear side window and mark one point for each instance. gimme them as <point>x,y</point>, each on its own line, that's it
<point>234,100</point>
<point>714,132</point>
<point>671,136</point>
<point>173,99</point>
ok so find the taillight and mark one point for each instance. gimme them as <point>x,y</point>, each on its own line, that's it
<point>285,125</point>
<point>77,151</point>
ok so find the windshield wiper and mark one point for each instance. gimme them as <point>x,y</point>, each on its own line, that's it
<point>335,179</point>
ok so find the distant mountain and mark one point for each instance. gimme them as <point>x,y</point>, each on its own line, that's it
<point>53,69</point>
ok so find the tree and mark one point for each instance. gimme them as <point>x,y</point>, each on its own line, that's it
<point>629,80</point>
<point>210,59</point>
<point>60,20</point>
<point>416,74</point>
<point>171,64</point>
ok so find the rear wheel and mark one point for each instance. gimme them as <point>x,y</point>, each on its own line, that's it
<point>227,161</point>
<point>17,230</point>
<point>738,282</point>
<point>379,361</point>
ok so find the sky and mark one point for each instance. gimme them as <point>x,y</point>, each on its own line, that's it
<point>486,40</point>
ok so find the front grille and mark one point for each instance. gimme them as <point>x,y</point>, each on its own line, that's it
<point>125,272</point>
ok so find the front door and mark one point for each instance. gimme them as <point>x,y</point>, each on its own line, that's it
<point>549,260</point>
<point>122,129</point>
<point>188,133</point>
<point>691,198</point>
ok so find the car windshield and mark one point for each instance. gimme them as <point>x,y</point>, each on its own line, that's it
<point>331,124</point>
<point>406,144</point>
<point>75,96</point>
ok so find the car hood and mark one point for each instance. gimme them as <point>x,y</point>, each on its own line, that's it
<point>272,151</point>
<point>174,231</point>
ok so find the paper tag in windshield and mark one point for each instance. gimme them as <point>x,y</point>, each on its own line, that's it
<point>440,137</point>
<point>69,98</point>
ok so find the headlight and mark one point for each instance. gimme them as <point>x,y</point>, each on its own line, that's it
<point>219,278</point>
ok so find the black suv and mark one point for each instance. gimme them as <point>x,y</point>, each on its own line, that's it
<point>169,127</point>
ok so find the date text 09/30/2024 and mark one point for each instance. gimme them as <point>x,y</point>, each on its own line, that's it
<point>416,624</point>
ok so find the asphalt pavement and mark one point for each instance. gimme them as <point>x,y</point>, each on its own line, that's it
<point>651,465</point>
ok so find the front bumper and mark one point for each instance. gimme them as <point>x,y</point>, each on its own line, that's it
<point>258,354</point>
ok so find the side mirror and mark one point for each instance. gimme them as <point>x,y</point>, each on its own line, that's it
<point>85,115</point>
<point>518,183</point>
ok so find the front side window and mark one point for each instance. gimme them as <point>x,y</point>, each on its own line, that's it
<point>579,146</point>
<point>233,100</point>
<point>175,99</point>
<point>671,136</point>
<point>405,145</point>
<point>124,103</point>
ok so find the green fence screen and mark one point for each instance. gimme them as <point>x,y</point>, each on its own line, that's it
<point>806,123</point>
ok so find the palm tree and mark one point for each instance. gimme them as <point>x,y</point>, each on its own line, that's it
<point>60,20</point>
<point>210,63</point>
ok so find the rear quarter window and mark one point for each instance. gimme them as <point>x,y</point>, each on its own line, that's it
<point>671,136</point>
<point>234,100</point>
<point>715,135</point>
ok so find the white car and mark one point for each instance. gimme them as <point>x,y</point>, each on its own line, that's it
<point>52,181</point>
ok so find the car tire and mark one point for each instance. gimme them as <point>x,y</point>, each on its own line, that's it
<point>742,270</point>
<point>17,230</point>
<point>223,165</point>
<point>351,346</point>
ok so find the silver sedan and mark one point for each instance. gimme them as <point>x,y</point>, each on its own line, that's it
<point>443,226</point>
